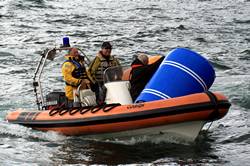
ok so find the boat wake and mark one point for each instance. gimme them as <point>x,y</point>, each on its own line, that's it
<point>153,139</point>
<point>19,131</point>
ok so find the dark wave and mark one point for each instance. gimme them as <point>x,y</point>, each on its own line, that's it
<point>36,1</point>
<point>245,101</point>
<point>200,39</point>
<point>77,16</point>
<point>152,33</point>
<point>61,20</point>
<point>18,71</point>
<point>6,55</point>
<point>242,21</point>
<point>181,27</point>
<point>246,52</point>
<point>82,33</point>
<point>245,55</point>
<point>220,65</point>
<point>239,139</point>
<point>28,26</point>
<point>30,4</point>
<point>149,9</point>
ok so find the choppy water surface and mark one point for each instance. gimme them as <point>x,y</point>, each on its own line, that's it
<point>217,29</point>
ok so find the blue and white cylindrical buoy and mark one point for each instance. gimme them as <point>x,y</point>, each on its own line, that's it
<point>66,41</point>
<point>182,72</point>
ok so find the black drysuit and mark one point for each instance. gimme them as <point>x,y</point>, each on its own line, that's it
<point>140,75</point>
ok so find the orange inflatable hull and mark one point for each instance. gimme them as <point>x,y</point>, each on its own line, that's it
<point>116,118</point>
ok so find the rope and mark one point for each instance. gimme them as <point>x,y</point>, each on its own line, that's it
<point>82,110</point>
<point>214,101</point>
<point>215,113</point>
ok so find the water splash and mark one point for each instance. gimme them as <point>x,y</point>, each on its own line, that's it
<point>18,131</point>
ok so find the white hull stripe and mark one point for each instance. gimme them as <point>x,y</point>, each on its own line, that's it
<point>188,71</point>
<point>156,93</point>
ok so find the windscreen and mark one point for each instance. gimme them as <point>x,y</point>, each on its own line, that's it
<point>116,73</point>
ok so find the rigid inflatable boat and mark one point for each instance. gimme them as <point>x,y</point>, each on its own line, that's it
<point>181,116</point>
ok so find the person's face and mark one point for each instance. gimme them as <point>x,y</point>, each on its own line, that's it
<point>106,52</point>
<point>74,52</point>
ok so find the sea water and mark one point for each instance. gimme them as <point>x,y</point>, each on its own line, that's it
<point>217,29</point>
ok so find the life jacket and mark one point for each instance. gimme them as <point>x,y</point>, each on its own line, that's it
<point>104,64</point>
<point>79,72</point>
